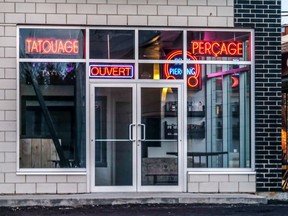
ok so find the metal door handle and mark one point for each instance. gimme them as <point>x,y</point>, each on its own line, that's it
<point>130,132</point>
<point>143,138</point>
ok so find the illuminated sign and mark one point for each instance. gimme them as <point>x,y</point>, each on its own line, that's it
<point>229,72</point>
<point>51,46</point>
<point>232,72</point>
<point>193,70</point>
<point>111,71</point>
<point>235,82</point>
<point>217,49</point>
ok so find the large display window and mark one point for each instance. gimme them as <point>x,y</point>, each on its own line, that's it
<point>52,99</point>
<point>218,118</point>
<point>214,67</point>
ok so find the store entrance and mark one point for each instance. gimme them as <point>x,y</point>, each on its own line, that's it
<point>135,137</point>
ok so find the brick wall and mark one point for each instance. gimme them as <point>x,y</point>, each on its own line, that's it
<point>264,16</point>
<point>193,13</point>
<point>119,12</point>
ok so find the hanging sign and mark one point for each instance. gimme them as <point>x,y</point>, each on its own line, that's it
<point>217,48</point>
<point>51,46</point>
<point>172,71</point>
<point>111,71</point>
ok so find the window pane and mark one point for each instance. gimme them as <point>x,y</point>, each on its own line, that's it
<point>219,118</point>
<point>52,115</point>
<point>112,44</point>
<point>196,128</point>
<point>113,148</point>
<point>52,43</point>
<point>222,46</point>
<point>158,44</point>
<point>161,71</point>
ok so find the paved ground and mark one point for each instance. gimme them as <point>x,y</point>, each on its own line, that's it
<point>151,210</point>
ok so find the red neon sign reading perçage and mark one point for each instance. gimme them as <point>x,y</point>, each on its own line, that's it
<point>217,48</point>
<point>51,46</point>
<point>111,71</point>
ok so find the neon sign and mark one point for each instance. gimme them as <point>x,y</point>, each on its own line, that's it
<point>51,46</point>
<point>229,72</point>
<point>232,72</point>
<point>235,82</point>
<point>216,48</point>
<point>111,71</point>
<point>193,70</point>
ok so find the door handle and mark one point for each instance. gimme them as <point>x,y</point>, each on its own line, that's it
<point>143,135</point>
<point>130,132</point>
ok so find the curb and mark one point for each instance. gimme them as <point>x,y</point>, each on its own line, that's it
<point>78,200</point>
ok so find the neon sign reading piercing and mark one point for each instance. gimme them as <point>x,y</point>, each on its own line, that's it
<point>193,72</point>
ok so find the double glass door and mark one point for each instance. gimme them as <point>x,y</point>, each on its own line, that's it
<point>135,137</point>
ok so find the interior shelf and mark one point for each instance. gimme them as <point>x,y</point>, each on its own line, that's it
<point>196,114</point>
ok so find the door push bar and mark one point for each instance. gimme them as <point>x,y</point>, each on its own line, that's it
<point>130,132</point>
<point>143,135</point>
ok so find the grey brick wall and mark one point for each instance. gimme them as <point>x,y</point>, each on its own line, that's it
<point>264,17</point>
<point>192,13</point>
<point>200,13</point>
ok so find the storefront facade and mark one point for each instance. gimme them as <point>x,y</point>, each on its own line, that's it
<point>105,108</point>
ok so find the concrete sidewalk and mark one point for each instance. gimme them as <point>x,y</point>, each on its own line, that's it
<point>74,200</point>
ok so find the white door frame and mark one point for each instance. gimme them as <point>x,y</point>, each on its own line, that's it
<point>136,144</point>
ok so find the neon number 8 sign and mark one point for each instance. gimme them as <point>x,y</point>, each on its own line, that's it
<point>193,70</point>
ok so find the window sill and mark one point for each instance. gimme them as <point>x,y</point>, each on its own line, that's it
<point>78,171</point>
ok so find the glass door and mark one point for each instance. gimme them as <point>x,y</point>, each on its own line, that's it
<point>135,142</point>
<point>159,136</point>
<point>113,138</point>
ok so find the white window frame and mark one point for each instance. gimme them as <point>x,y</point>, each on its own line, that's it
<point>136,61</point>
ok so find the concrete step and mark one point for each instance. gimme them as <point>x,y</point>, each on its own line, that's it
<point>74,200</point>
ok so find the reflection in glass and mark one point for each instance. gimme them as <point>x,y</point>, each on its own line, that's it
<point>52,115</point>
<point>217,45</point>
<point>112,44</point>
<point>284,128</point>
<point>224,114</point>
<point>52,43</point>
<point>159,135</point>
<point>161,71</point>
<point>196,124</point>
<point>158,44</point>
<point>113,147</point>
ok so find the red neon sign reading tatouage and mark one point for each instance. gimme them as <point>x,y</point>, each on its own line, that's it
<point>193,81</point>
<point>51,46</point>
<point>217,49</point>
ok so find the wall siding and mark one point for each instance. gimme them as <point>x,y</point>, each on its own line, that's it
<point>185,13</point>
<point>79,12</point>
